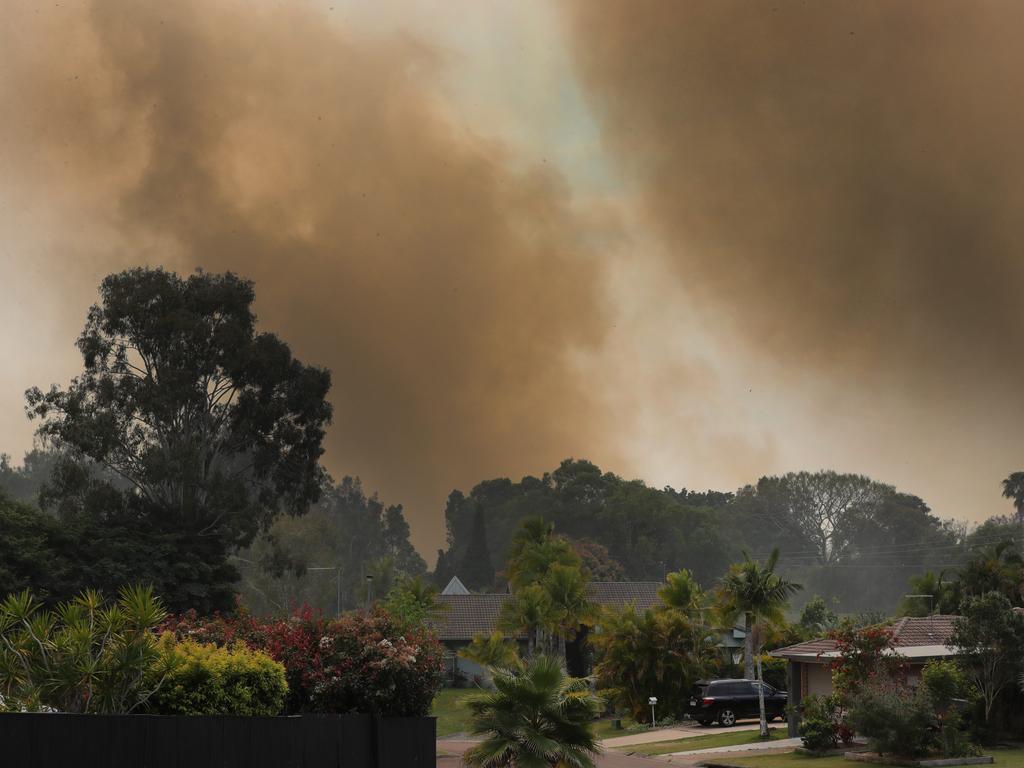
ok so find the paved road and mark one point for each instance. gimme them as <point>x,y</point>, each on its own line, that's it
<point>609,759</point>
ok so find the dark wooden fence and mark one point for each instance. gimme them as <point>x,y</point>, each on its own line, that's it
<point>159,741</point>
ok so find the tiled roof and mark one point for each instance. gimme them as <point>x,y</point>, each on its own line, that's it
<point>642,594</point>
<point>908,632</point>
<point>468,615</point>
<point>926,630</point>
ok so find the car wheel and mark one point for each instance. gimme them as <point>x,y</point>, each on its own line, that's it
<point>726,718</point>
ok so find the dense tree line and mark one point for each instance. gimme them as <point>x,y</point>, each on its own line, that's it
<point>846,537</point>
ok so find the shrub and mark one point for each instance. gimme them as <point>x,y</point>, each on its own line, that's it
<point>649,654</point>
<point>775,672</point>
<point>894,718</point>
<point>819,722</point>
<point>357,663</point>
<point>84,656</point>
<point>206,679</point>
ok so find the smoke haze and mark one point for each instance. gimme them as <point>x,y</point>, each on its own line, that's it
<point>445,290</point>
<point>729,239</point>
<point>843,179</point>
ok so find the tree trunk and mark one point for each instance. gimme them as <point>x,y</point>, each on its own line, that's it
<point>760,699</point>
<point>748,647</point>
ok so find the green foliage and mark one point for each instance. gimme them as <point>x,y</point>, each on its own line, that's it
<point>817,618</point>
<point>865,653</point>
<point>493,650</point>
<point>535,549</point>
<point>360,662</point>
<point>549,596</point>
<point>990,638</point>
<point>894,718</point>
<point>598,561</point>
<point>412,601</point>
<point>757,593</point>
<point>25,545</point>
<point>774,672</point>
<point>202,679</point>
<point>654,653</point>
<point>346,528</point>
<point>476,569</point>
<point>819,722</point>
<point>1013,488</point>
<point>84,656</point>
<point>681,592</point>
<point>536,716</point>
<point>945,595</point>
<point>528,611</point>
<point>216,428</point>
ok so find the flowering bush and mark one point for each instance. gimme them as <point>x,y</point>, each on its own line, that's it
<point>865,655</point>
<point>200,679</point>
<point>358,663</point>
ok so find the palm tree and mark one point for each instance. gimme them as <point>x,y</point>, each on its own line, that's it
<point>537,717</point>
<point>535,549</point>
<point>570,607</point>
<point>1013,488</point>
<point>528,611</point>
<point>760,595</point>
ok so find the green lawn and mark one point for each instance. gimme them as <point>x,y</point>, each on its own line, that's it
<point>603,728</point>
<point>451,711</point>
<point>1005,758</point>
<point>725,739</point>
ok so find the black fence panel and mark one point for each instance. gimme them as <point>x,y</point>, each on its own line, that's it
<point>407,741</point>
<point>156,741</point>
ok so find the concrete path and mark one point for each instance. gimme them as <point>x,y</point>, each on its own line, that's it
<point>670,734</point>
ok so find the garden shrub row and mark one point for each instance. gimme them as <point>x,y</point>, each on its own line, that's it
<point>203,679</point>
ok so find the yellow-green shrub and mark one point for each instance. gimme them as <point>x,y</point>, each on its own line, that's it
<point>203,679</point>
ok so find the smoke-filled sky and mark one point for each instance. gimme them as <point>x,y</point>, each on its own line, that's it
<point>696,242</point>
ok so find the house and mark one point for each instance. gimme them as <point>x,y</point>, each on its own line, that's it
<point>465,615</point>
<point>916,639</point>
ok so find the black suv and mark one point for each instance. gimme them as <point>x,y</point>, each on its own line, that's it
<point>730,700</point>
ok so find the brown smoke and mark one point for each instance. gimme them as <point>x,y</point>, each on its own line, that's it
<point>444,290</point>
<point>842,182</point>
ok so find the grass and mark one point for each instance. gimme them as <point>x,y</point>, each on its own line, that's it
<point>603,728</point>
<point>451,711</point>
<point>710,741</point>
<point>1004,758</point>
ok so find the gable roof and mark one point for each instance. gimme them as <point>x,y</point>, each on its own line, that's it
<point>913,636</point>
<point>455,587</point>
<point>466,615</point>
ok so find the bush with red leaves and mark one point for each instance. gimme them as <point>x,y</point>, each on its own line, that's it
<point>361,662</point>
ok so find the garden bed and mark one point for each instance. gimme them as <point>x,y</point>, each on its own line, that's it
<point>926,762</point>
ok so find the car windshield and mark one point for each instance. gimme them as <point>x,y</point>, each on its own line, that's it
<point>698,691</point>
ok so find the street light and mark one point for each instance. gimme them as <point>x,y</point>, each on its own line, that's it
<point>653,701</point>
<point>336,568</point>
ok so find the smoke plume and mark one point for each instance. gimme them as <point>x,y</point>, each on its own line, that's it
<point>445,285</point>
<point>840,182</point>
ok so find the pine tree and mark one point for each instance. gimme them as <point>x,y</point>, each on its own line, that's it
<point>476,570</point>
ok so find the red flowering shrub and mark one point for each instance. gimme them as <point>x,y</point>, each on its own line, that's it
<point>866,655</point>
<point>358,663</point>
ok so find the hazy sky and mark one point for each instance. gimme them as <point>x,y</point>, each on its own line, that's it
<point>695,242</point>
